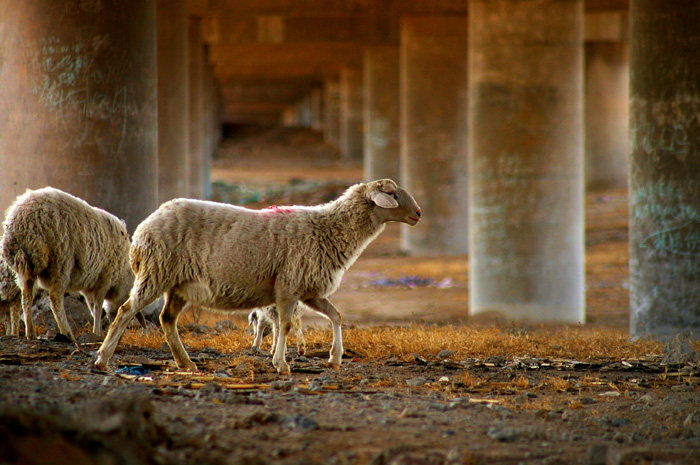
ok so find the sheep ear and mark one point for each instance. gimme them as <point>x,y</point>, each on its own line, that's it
<point>383,200</point>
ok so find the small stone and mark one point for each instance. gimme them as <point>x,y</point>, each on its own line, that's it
<point>610,394</point>
<point>587,400</point>
<point>597,454</point>
<point>444,379</point>
<point>503,434</point>
<point>414,382</point>
<point>437,406</point>
<point>411,413</point>
<point>680,350</point>
<point>299,423</point>
<point>315,386</point>
<point>445,353</point>
<point>682,388</point>
<point>462,402</point>
<point>648,398</point>
<point>504,412</point>
<point>211,388</point>
<point>281,385</point>
<point>495,359</point>
<point>615,422</point>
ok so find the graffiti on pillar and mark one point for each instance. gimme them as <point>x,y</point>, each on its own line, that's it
<point>380,133</point>
<point>675,221</point>
<point>69,85</point>
<point>664,140</point>
<point>664,199</point>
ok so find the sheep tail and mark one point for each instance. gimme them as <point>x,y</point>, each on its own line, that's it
<point>27,261</point>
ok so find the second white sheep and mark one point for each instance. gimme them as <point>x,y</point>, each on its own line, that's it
<point>62,243</point>
<point>264,320</point>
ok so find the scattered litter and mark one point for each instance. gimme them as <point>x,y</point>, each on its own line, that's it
<point>139,370</point>
<point>410,282</point>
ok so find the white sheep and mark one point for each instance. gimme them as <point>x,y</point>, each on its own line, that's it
<point>10,300</point>
<point>63,244</point>
<point>226,257</point>
<point>264,320</point>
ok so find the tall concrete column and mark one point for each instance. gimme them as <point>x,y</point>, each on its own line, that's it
<point>196,120</point>
<point>351,113</point>
<point>78,102</point>
<point>317,109</point>
<point>665,168</point>
<point>526,159</point>
<point>173,101</point>
<point>607,115</point>
<point>209,148</point>
<point>433,75</point>
<point>382,103</point>
<point>331,103</point>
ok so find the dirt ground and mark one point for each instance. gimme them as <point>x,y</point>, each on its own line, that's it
<point>433,407</point>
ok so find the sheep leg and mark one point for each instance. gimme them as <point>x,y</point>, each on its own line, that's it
<point>168,321</point>
<point>142,320</point>
<point>285,308</point>
<point>59,313</point>
<point>258,333</point>
<point>301,342</point>
<point>124,315</point>
<point>27,301</point>
<point>275,333</point>
<point>13,326</point>
<point>326,308</point>
<point>96,312</point>
<point>111,311</point>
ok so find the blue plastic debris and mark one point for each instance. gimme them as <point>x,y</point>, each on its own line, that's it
<point>133,370</point>
<point>404,281</point>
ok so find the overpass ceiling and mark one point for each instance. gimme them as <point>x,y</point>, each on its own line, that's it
<point>267,54</point>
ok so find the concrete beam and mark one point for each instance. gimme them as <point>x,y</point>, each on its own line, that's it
<point>305,8</point>
<point>283,61</point>
<point>226,29</point>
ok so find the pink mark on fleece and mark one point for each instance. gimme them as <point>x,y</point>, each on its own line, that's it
<point>276,209</point>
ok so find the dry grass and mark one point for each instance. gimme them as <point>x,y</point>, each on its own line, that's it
<point>375,343</point>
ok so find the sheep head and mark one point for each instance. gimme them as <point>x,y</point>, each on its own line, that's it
<point>394,203</point>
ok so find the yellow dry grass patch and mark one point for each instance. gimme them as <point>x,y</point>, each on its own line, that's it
<point>375,343</point>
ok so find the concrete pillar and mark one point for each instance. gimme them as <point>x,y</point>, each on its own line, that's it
<point>665,168</point>
<point>78,102</point>
<point>289,116</point>
<point>433,75</point>
<point>607,115</point>
<point>196,132</point>
<point>207,122</point>
<point>317,109</point>
<point>351,113</point>
<point>526,159</point>
<point>331,102</point>
<point>382,104</point>
<point>173,101</point>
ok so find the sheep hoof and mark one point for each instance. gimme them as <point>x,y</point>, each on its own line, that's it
<point>99,365</point>
<point>334,366</point>
<point>283,369</point>
<point>259,352</point>
<point>188,367</point>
